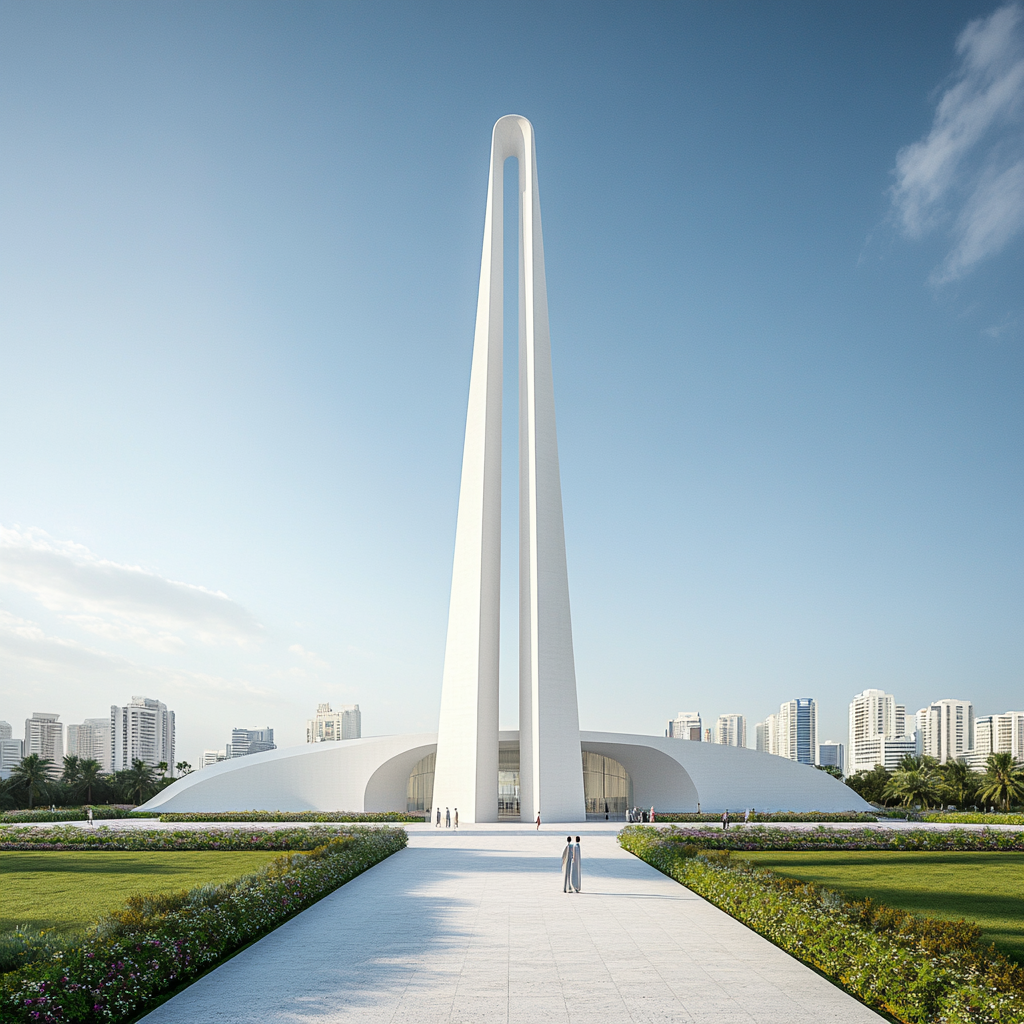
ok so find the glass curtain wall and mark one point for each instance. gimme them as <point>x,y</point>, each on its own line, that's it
<point>607,788</point>
<point>419,793</point>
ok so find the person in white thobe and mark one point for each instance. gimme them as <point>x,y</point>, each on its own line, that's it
<point>568,857</point>
<point>577,867</point>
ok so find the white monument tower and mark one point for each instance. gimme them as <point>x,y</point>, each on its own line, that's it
<point>551,773</point>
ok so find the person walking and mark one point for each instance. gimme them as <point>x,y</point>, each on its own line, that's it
<point>567,858</point>
<point>88,814</point>
<point>538,821</point>
<point>447,818</point>
<point>725,819</point>
<point>652,814</point>
<point>456,817</point>
<point>438,825</point>
<point>577,867</point>
<point>746,816</point>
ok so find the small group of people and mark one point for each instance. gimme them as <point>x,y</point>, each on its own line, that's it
<point>447,817</point>
<point>572,870</point>
<point>637,817</point>
<point>746,817</point>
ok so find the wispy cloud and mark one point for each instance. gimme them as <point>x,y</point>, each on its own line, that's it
<point>119,602</point>
<point>967,174</point>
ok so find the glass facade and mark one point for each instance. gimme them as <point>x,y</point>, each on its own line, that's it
<point>419,794</point>
<point>607,787</point>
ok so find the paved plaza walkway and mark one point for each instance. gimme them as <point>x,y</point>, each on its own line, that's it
<point>473,926</point>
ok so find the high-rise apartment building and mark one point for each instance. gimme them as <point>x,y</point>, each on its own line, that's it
<point>731,730</point>
<point>213,757</point>
<point>44,735</point>
<point>997,734</point>
<point>11,753</point>
<point>344,724</point>
<point>6,731</point>
<point>798,730</point>
<point>685,726</point>
<point>830,754</point>
<point>250,741</point>
<point>90,741</point>
<point>945,729</point>
<point>142,730</point>
<point>766,735</point>
<point>874,716</point>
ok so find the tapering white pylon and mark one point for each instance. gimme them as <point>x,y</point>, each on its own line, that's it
<point>551,776</point>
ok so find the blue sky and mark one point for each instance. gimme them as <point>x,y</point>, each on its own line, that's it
<point>237,289</point>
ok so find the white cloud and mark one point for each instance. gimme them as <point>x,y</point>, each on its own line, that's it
<point>308,656</point>
<point>968,171</point>
<point>119,602</point>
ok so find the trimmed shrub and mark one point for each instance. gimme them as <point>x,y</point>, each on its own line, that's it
<point>916,969</point>
<point>99,813</point>
<point>760,837</point>
<point>971,818</point>
<point>773,816</point>
<point>353,816</point>
<point>157,943</point>
<point>69,837</point>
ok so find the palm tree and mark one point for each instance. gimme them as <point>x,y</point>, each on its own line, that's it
<point>138,780</point>
<point>89,774</point>
<point>33,773</point>
<point>183,767</point>
<point>959,783</point>
<point>1003,780</point>
<point>71,770</point>
<point>914,785</point>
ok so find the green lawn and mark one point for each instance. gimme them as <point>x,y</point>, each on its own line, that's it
<point>70,890</point>
<point>987,888</point>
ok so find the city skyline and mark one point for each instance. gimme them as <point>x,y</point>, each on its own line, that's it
<point>235,340</point>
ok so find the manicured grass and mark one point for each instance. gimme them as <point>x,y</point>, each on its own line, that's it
<point>987,888</point>
<point>69,891</point>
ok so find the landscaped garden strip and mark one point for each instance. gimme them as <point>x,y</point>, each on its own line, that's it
<point>761,837</point>
<point>157,943</point>
<point>971,818</point>
<point>68,837</point>
<point>99,813</point>
<point>918,969</point>
<point>348,816</point>
<point>773,816</point>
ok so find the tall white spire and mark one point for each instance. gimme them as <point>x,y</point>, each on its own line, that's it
<point>466,774</point>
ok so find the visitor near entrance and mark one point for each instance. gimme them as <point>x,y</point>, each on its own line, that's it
<point>456,817</point>
<point>577,869</point>
<point>447,818</point>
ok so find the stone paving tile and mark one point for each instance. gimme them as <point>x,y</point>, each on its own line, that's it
<point>472,928</point>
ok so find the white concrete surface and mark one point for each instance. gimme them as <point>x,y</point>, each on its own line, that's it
<point>473,927</point>
<point>371,774</point>
<point>550,774</point>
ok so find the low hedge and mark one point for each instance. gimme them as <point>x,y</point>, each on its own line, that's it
<point>349,816</point>
<point>916,969</point>
<point>99,813</point>
<point>157,943</point>
<point>760,837</point>
<point>772,816</point>
<point>69,837</point>
<point>971,818</point>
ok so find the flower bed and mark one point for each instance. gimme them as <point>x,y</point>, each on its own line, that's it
<point>70,838</point>
<point>971,818</point>
<point>760,837</point>
<point>352,816</point>
<point>773,816</point>
<point>158,943</point>
<point>917,969</point>
<point>99,813</point>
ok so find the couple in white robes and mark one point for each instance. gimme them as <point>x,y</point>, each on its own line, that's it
<point>572,870</point>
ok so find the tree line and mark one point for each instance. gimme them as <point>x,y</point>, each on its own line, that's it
<point>922,782</point>
<point>33,782</point>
